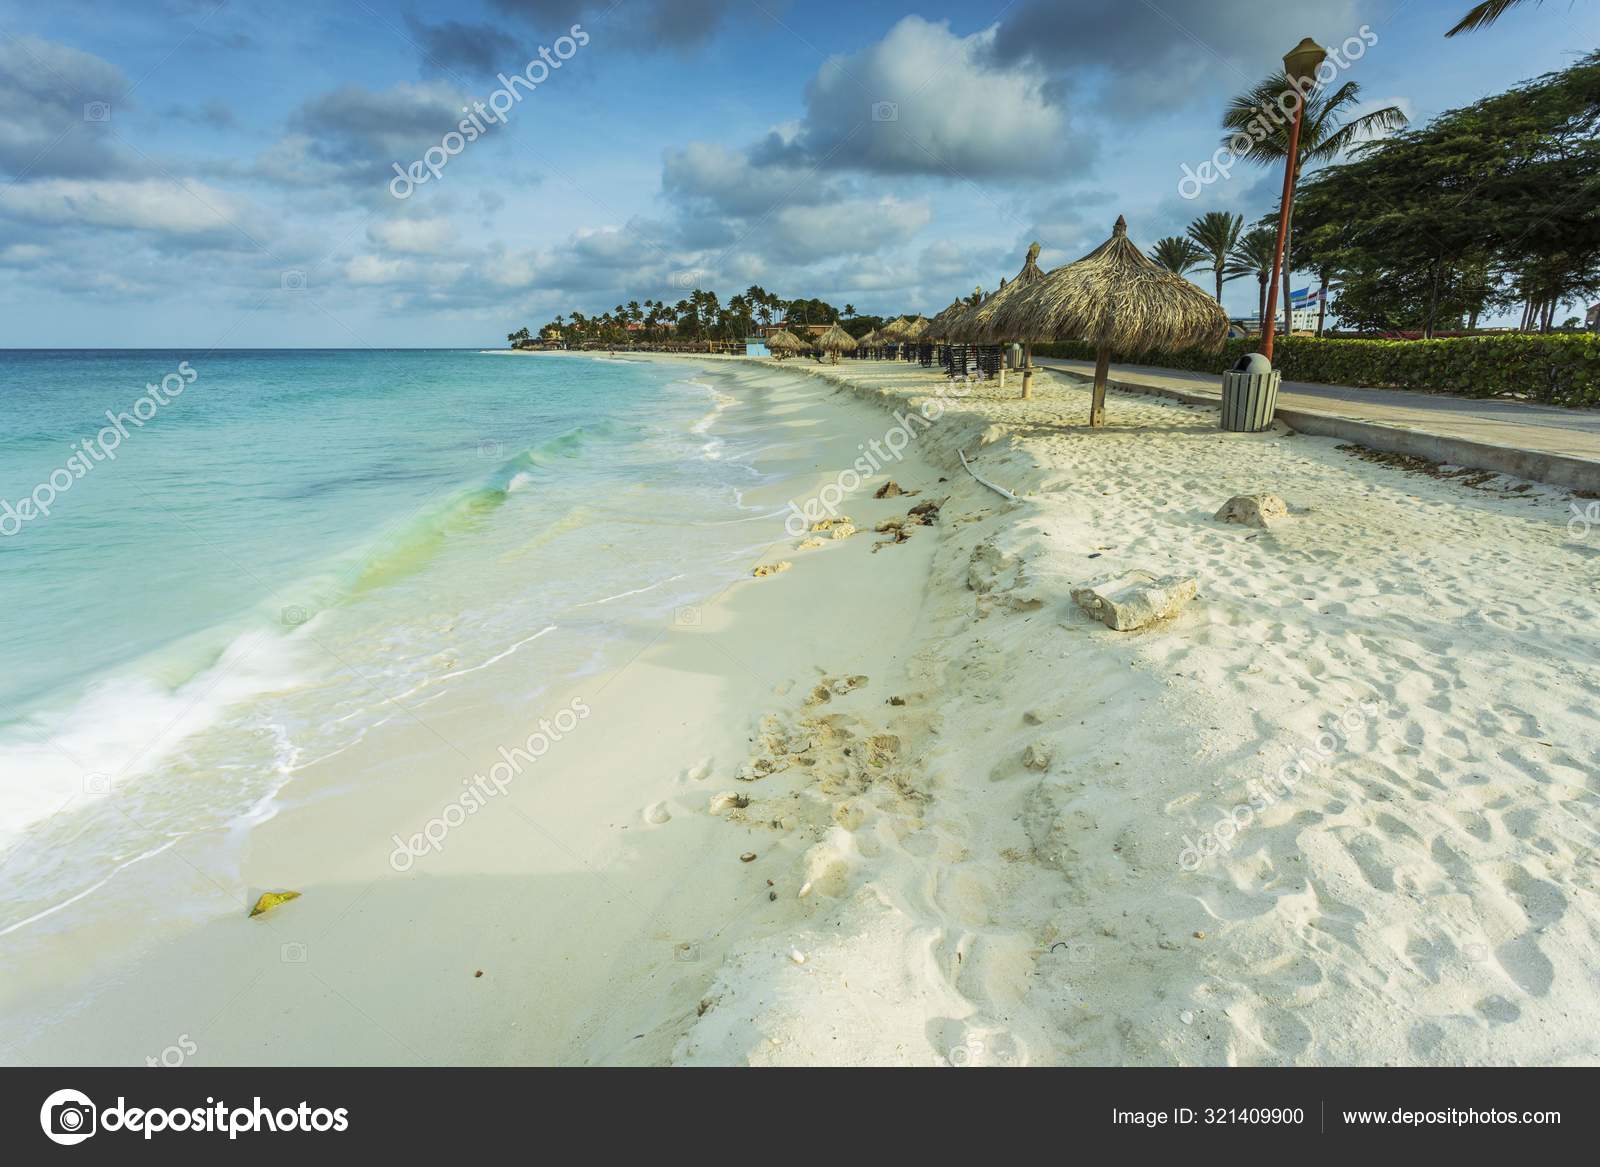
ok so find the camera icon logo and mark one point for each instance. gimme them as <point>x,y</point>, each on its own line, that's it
<point>97,111</point>
<point>97,783</point>
<point>293,280</point>
<point>685,279</point>
<point>686,617</point>
<point>68,1117</point>
<point>292,953</point>
<point>294,615</point>
<point>885,111</point>
<point>491,450</point>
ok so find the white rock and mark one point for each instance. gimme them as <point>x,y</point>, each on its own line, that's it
<point>1135,599</point>
<point>1037,756</point>
<point>1253,510</point>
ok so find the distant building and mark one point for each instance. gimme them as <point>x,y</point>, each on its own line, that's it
<point>1591,319</point>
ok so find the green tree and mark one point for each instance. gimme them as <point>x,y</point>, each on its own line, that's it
<point>1328,130</point>
<point>1177,253</point>
<point>1215,234</point>
<point>1252,255</point>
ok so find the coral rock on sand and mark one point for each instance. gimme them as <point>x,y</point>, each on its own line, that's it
<point>830,524</point>
<point>843,530</point>
<point>729,801</point>
<point>1253,510</point>
<point>926,512</point>
<point>771,568</point>
<point>1135,599</point>
<point>1037,756</point>
<point>808,543</point>
<point>890,489</point>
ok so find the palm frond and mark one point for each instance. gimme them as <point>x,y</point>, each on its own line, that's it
<point>1485,14</point>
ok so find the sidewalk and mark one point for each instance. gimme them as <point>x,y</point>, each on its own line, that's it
<point>1544,443</point>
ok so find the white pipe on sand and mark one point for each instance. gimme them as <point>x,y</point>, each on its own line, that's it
<point>1000,490</point>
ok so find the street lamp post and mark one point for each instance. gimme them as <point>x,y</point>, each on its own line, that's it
<point>1300,64</point>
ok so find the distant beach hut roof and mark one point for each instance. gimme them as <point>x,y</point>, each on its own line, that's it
<point>1115,298</point>
<point>983,323</point>
<point>784,341</point>
<point>836,340</point>
<point>895,330</point>
<point>939,326</point>
<point>871,338</point>
<point>915,329</point>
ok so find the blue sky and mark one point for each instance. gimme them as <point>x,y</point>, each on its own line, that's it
<point>188,173</point>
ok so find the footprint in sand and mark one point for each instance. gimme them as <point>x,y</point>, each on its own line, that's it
<point>699,772</point>
<point>657,813</point>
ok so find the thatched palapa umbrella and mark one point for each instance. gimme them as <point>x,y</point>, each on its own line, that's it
<point>1115,298</point>
<point>784,342</point>
<point>895,331</point>
<point>835,341</point>
<point>916,329</point>
<point>939,328</point>
<point>984,323</point>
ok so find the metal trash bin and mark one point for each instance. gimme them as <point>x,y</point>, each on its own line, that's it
<point>1249,394</point>
<point>1014,357</point>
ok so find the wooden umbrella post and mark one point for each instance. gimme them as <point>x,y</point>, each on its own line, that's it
<point>1102,366</point>
<point>1027,370</point>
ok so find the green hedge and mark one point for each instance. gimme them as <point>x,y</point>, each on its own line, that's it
<point>1561,369</point>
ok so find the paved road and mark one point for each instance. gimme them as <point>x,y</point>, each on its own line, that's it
<point>1539,429</point>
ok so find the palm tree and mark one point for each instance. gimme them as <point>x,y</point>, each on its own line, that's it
<point>1177,253</point>
<point>1215,235</point>
<point>1253,256</point>
<point>1485,14</point>
<point>849,311</point>
<point>1324,134</point>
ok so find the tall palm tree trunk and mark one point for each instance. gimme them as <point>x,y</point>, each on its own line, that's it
<point>1322,303</point>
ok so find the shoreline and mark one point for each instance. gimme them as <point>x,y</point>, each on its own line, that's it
<point>977,855</point>
<point>563,888</point>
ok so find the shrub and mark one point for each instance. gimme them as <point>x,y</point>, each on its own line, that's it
<point>1559,369</point>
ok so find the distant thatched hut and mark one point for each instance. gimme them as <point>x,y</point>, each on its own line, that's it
<point>939,327</point>
<point>1115,298</point>
<point>784,343</point>
<point>916,329</point>
<point>895,331</point>
<point>835,341</point>
<point>984,323</point>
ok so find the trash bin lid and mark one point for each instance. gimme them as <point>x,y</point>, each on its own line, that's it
<point>1252,363</point>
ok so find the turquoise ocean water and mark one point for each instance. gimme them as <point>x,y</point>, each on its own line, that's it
<point>237,573</point>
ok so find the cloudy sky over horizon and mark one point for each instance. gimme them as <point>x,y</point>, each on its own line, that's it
<point>184,172</point>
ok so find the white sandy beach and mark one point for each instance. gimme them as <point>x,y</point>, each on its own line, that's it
<point>975,855</point>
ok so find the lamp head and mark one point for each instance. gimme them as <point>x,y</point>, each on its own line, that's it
<point>1301,62</point>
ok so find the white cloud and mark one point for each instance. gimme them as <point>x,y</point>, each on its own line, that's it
<point>414,236</point>
<point>159,206</point>
<point>375,269</point>
<point>22,254</point>
<point>926,101</point>
<point>852,226</point>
